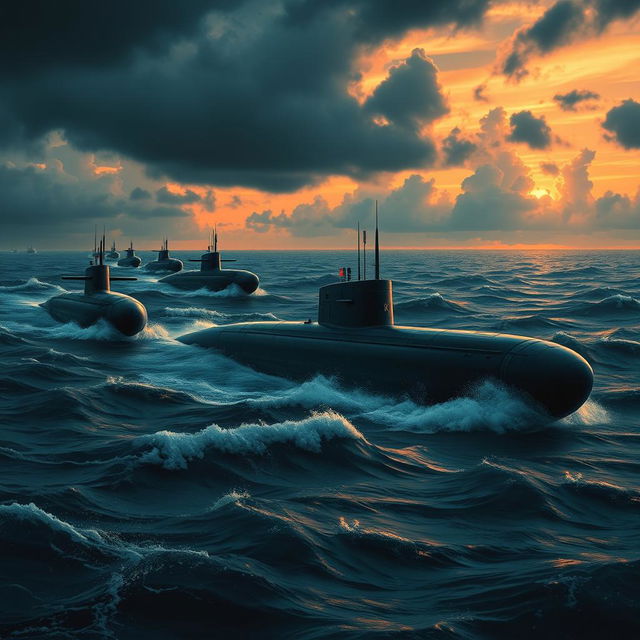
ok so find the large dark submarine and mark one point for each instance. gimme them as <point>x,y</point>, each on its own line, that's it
<point>211,275</point>
<point>130,259</point>
<point>356,341</point>
<point>164,262</point>
<point>97,302</point>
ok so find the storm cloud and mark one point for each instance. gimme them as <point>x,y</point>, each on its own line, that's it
<point>569,101</point>
<point>457,149</point>
<point>225,93</point>
<point>563,23</point>
<point>526,128</point>
<point>623,122</point>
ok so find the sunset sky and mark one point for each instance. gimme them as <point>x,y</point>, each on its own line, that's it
<point>475,124</point>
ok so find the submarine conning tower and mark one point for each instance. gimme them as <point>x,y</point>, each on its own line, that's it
<point>211,261</point>
<point>163,254</point>
<point>97,277</point>
<point>358,303</point>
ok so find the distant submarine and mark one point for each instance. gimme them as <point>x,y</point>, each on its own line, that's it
<point>130,259</point>
<point>113,254</point>
<point>356,341</point>
<point>97,302</point>
<point>211,275</point>
<point>164,261</point>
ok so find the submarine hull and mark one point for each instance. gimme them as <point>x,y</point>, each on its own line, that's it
<point>124,313</point>
<point>215,280</point>
<point>135,261</point>
<point>433,365</point>
<point>171,264</point>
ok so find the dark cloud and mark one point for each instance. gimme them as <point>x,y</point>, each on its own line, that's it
<point>262,222</point>
<point>623,122</point>
<point>50,200</point>
<point>410,96</point>
<point>617,211</point>
<point>563,23</point>
<point>371,21</point>
<point>165,196</point>
<point>550,168</point>
<point>252,93</point>
<point>526,128</point>
<point>609,10</point>
<point>139,194</point>
<point>36,35</point>
<point>457,150</point>
<point>479,93</point>
<point>568,101</point>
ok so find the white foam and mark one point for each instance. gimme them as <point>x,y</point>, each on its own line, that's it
<point>590,413</point>
<point>32,285</point>
<point>213,315</point>
<point>232,291</point>
<point>174,450</point>
<point>233,497</point>
<point>488,408</point>
<point>32,512</point>
<point>101,330</point>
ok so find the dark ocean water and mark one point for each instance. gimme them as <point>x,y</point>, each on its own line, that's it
<point>155,490</point>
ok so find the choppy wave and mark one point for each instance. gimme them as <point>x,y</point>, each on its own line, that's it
<point>432,302</point>
<point>173,450</point>
<point>216,316</point>
<point>613,304</point>
<point>32,285</point>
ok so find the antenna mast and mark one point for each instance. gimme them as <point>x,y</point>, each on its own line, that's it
<point>215,238</point>
<point>377,264</point>
<point>364,253</point>
<point>358,249</point>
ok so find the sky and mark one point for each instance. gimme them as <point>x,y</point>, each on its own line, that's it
<point>474,123</point>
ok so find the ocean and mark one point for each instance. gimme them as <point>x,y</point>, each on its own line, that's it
<point>155,490</point>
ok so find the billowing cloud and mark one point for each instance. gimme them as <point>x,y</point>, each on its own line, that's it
<point>457,149</point>
<point>497,197</point>
<point>623,122</point>
<point>410,97</point>
<point>563,23</point>
<point>196,99</point>
<point>526,128</point>
<point>69,192</point>
<point>164,196</point>
<point>569,101</point>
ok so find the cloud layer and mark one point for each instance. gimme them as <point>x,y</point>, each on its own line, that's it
<point>252,93</point>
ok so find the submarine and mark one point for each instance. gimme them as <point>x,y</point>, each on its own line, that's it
<point>113,254</point>
<point>164,261</point>
<point>130,259</point>
<point>211,274</point>
<point>123,312</point>
<point>356,341</point>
